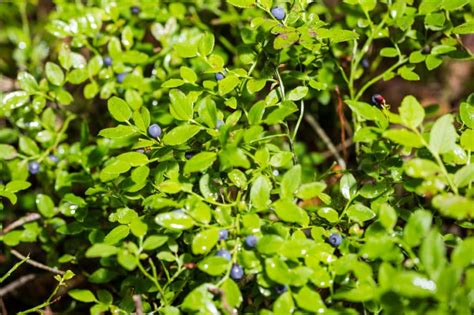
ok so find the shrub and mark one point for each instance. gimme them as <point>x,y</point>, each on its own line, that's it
<point>169,151</point>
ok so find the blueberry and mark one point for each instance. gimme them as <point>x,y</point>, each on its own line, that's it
<point>107,61</point>
<point>188,155</point>
<point>140,150</point>
<point>33,167</point>
<point>278,13</point>
<point>365,63</point>
<point>219,76</point>
<point>135,9</point>
<point>251,241</point>
<point>219,124</point>
<point>378,99</point>
<point>223,235</point>
<point>224,253</point>
<point>335,239</point>
<point>236,272</point>
<point>275,173</point>
<point>121,77</point>
<point>53,158</point>
<point>280,289</point>
<point>154,130</point>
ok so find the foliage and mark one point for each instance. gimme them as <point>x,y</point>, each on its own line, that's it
<point>143,211</point>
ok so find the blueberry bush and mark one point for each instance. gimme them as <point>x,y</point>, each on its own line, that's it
<point>234,157</point>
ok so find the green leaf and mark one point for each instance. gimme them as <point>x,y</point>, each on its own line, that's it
<point>228,84</point>
<point>242,3</point>
<point>417,227</point>
<point>133,158</point>
<point>404,137</point>
<point>28,146</point>
<point>260,192</point>
<point>200,162</point>
<point>467,139</point>
<point>45,205</point>
<point>310,190</point>
<point>411,112</point>
<point>466,28</point>
<point>121,131</point>
<point>204,241</point>
<point>117,234</point>
<point>297,93</point>
<point>443,135</point>
<point>464,176</point>
<point>17,185</point>
<point>451,5</point>
<point>54,74</point>
<point>433,62</point>
<point>180,134</point>
<point>388,52</point>
<point>188,74</point>
<point>7,152</point>
<point>348,186</point>
<point>81,295</point>
<point>284,304</point>
<point>181,107</point>
<point>232,293</point>
<point>310,300</point>
<point>27,82</point>
<point>466,111</point>
<point>408,74</point>
<point>289,212</point>
<point>454,206</point>
<point>101,250</point>
<point>119,109</point>
<point>421,168</point>
<point>432,253</point>
<point>175,220</point>
<point>154,241</point>
<point>329,214</point>
<point>206,44</point>
<point>413,285</point>
<point>290,182</point>
<point>277,270</point>
<point>213,265</point>
<point>360,213</point>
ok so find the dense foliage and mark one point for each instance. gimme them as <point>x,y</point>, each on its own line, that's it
<point>170,149</point>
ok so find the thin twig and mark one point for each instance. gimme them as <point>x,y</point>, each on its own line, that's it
<point>342,121</point>
<point>4,308</point>
<point>27,218</point>
<point>16,284</point>
<point>339,148</point>
<point>322,134</point>
<point>36,264</point>
<point>137,299</point>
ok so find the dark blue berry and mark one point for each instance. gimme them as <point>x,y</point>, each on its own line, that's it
<point>224,253</point>
<point>236,272</point>
<point>53,158</point>
<point>107,61</point>
<point>365,63</point>
<point>378,99</point>
<point>219,76</point>
<point>219,124</point>
<point>278,13</point>
<point>335,239</point>
<point>121,77</point>
<point>280,289</point>
<point>154,130</point>
<point>135,9</point>
<point>33,167</point>
<point>223,235</point>
<point>188,155</point>
<point>251,241</point>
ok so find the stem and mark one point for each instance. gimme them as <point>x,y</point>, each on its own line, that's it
<point>152,279</point>
<point>298,123</point>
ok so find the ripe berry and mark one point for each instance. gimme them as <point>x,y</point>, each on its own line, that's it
<point>378,99</point>
<point>224,253</point>
<point>219,124</point>
<point>280,289</point>
<point>223,235</point>
<point>107,61</point>
<point>154,130</point>
<point>278,13</point>
<point>188,156</point>
<point>251,241</point>
<point>135,9</point>
<point>335,239</point>
<point>236,272</point>
<point>33,167</point>
<point>219,76</point>
<point>121,77</point>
